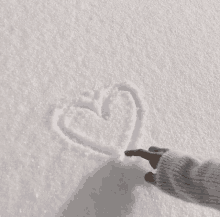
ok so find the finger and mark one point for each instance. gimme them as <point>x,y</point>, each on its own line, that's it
<point>155,159</point>
<point>157,149</point>
<point>146,154</point>
<point>150,177</point>
<point>133,152</point>
<point>138,152</point>
<point>141,153</point>
<point>154,149</point>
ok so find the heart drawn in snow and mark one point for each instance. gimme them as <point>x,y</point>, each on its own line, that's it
<point>108,121</point>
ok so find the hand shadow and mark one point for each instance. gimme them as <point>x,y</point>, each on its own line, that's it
<point>106,192</point>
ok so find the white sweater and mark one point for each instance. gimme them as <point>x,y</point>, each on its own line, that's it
<point>185,177</point>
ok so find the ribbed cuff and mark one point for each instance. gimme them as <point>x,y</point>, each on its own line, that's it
<point>184,176</point>
<point>170,168</point>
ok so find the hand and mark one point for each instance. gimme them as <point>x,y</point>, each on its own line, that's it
<point>153,155</point>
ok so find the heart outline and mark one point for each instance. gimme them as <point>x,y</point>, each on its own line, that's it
<point>137,131</point>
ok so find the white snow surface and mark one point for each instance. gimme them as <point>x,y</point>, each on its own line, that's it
<point>83,81</point>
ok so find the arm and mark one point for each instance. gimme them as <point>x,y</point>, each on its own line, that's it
<point>189,179</point>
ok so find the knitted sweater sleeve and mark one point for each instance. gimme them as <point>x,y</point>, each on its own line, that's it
<point>187,178</point>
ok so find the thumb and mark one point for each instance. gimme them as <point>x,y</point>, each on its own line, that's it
<point>157,149</point>
<point>150,177</point>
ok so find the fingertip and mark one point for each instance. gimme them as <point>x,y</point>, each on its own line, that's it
<point>128,153</point>
<point>150,177</point>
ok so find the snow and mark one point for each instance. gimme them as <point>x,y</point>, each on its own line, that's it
<point>106,122</point>
<point>82,81</point>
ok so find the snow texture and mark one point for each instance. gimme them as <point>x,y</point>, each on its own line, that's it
<point>108,121</point>
<point>80,53</point>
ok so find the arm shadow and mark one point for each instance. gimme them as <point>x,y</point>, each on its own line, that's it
<point>105,192</point>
